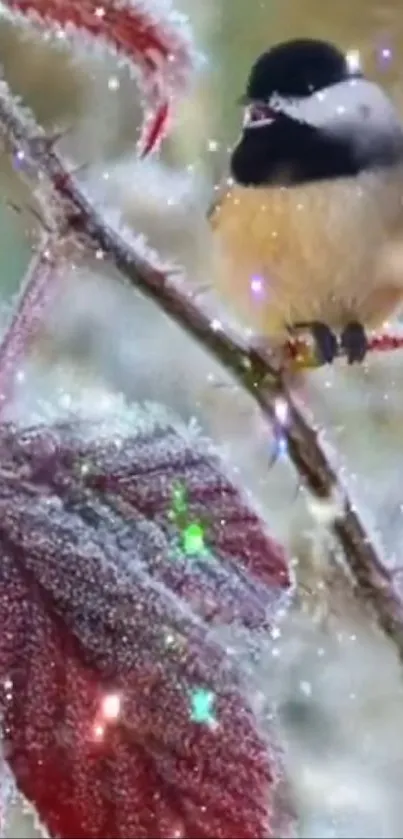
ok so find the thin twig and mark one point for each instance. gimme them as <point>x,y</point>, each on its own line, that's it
<point>78,218</point>
<point>28,316</point>
<point>374,582</point>
<point>299,353</point>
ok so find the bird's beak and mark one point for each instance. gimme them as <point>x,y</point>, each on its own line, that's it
<point>257,114</point>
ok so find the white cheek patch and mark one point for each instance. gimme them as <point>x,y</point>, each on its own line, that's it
<point>352,104</point>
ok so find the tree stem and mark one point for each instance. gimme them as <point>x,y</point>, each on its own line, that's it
<point>78,219</point>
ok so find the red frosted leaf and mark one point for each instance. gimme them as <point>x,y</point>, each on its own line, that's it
<point>97,600</point>
<point>142,33</point>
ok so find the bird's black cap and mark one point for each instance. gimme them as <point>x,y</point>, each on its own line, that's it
<point>291,135</point>
<point>297,68</point>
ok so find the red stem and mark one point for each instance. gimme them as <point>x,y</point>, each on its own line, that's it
<point>151,41</point>
<point>28,316</point>
<point>163,52</point>
<point>299,352</point>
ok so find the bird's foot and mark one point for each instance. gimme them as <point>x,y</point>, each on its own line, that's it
<point>325,340</point>
<point>354,342</point>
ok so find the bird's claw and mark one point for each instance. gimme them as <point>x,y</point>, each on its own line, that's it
<point>326,343</point>
<point>354,342</point>
<point>325,340</point>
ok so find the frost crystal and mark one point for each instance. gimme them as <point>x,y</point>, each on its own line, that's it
<point>105,639</point>
<point>154,40</point>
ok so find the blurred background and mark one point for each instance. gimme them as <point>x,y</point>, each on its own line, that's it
<point>334,680</point>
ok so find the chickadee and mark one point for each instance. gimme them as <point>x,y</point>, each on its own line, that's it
<point>310,226</point>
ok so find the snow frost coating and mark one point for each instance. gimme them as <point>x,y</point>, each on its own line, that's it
<point>100,604</point>
<point>153,39</point>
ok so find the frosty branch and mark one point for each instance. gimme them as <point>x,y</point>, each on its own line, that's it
<point>83,224</point>
<point>27,319</point>
<point>76,220</point>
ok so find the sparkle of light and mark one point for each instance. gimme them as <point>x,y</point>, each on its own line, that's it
<point>216,325</point>
<point>281,445</point>
<point>257,285</point>
<point>193,539</point>
<point>18,159</point>
<point>111,705</point>
<point>281,410</point>
<point>179,498</point>
<point>99,731</point>
<point>353,59</point>
<point>202,706</point>
<point>113,83</point>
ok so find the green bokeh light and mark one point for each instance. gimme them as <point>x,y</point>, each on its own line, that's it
<point>202,702</point>
<point>191,531</point>
<point>193,539</point>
